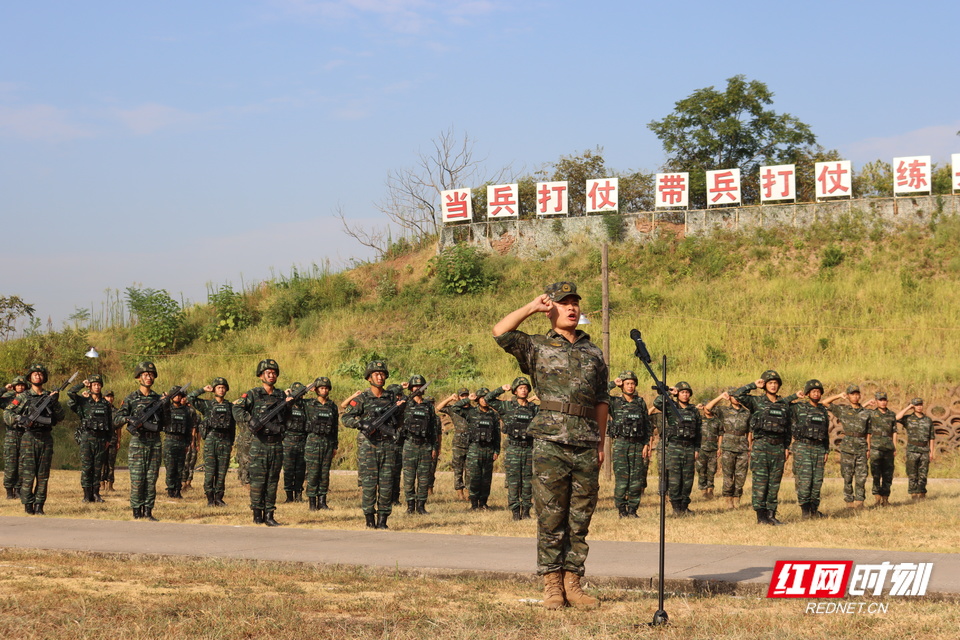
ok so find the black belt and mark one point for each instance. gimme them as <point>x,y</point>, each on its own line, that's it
<point>520,442</point>
<point>570,409</point>
<point>270,438</point>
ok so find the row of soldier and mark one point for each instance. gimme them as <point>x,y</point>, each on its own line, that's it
<point>758,432</point>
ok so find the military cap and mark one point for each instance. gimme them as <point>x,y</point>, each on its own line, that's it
<point>34,368</point>
<point>811,385</point>
<point>560,290</point>
<point>109,392</point>
<point>769,375</point>
<point>322,381</point>
<point>628,375</point>
<point>853,389</point>
<point>519,382</point>
<point>374,366</point>
<point>95,378</point>
<point>218,381</point>
<point>916,401</point>
<point>683,386</point>
<point>145,367</point>
<point>880,395</point>
<point>463,391</point>
<point>266,365</point>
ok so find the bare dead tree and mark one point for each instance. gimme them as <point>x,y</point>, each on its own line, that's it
<point>376,238</point>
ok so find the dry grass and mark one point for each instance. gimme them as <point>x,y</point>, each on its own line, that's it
<point>70,595</point>
<point>894,528</point>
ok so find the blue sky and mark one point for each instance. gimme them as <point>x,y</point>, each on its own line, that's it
<point>179,143</point>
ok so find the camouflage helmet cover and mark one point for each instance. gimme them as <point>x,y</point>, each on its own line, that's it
<point>395,389</point>
<point>220,381</point>
<point>683,386</point>
<point>560,290</point>
<point>811,385</point>
<point>21,380</point>
<point>463,391</point>
<point>769,375</point>
<point>297,386</point>
<point>519,382</point>
<point>628,375</point>
<point>266,365</point>
<point>95,378</point>
<point>145,367</point>
<point>482,392</point>
<point>36,367</point>
<point>416,381</point>
<point>376,365</point>
<point>322,381</point>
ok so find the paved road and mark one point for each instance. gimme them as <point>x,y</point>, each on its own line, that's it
<point>688,567</point>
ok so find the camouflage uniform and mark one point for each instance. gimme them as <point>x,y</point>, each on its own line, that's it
<point>11,452</point>
<point>770,424</point>
<point>459,446</point>
<point>219,430</point>
<point>177,436</point>
<point>96,431</point>
<point>518,457</point>
<point>919,430</point>
<point>483,432</point>
<point>734,448</point>
<point>241,450</point>
<point>145,448</point>
<point>853,450</point>
<point>377,452</point>
<point>294,451</point>
<point>323,439</point>
<point>421,436</point>
<point>707,461</point>
<point>882,426</point>
<point>266,447</point>
<point>683,441</point>
<point>190,457</point>
<point>630,429</point>
<point>36,447</point>
<point>108,471</point>
<point>571,380</point>
<point>810,426</point>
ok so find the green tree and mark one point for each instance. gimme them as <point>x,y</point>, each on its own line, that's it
<point>159,319</point>
<point>12,308</point>
<point>729,129</point>
<point>873,180</point>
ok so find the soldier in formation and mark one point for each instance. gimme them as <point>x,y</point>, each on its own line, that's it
<point>810,428</point>
<point>96,431</point>
<point>920,450</point>
<point>516,416</point>
<point>881,427</point>
<point>483,433</point>
<point>420,431</point>
<point>107,474</point>
<point>853,447</point>
<point>219,429</point>
<point>708,455</point>
<point>178,434</point>
<point>683,434</point>
<point>11,441</point>
<point>629,426</point>
<point>323,419</point>
<point>460,443</point>
<point>294,448</point>
<point>734,444</point>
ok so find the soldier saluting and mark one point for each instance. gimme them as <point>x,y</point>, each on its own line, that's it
<point>96,430</point>
<point>220,429</point>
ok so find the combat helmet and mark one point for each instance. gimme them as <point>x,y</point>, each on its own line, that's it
<point>628,375</point>
<point>267,364</point>
<point>811,385</point>
<point>218,381</point>
<point>297,387</point>
<point>322,381</point>
<point>519,382</point>
<point>145,367</point>
<point>374,366</point>
<point>395,389</point>
<point>22,380</point>
<point>35,368</point>
<point>95,378</point>
<point>683,386</point>
<point>416,381</point>
<point>482,392</point>
<point>769,375</point>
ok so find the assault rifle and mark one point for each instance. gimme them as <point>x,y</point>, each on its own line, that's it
<point>35,415</point>
<point>380,423</point>
<point>256,424</point>
<point>137,421</point>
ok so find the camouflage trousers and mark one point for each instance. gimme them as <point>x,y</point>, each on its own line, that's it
<point>377,460</point>
<point>566,484</point>
<point>143,459</point>
<point>766,465</point>
<point>734,465</point>
<point>417,459</point>
<point>216,460</point>
<point>629,472</point>
<point>706,468</point>
<point>480,469</point>
<point>681,459</point>
<point>459,464</point>
<point>319,456</point>
<point>808,466</point>
<point>36,454</point>
<point>881,468</point>
<point>294,461</point>
<point>432,477</point>
<point>518,465</point>
<point>918,465</point>
<point>174,459</point>
<point>107,471</point>
<point>93,454</point>
<point>190,462</point>
<point>11,458</point>
<point>397,472</point>
<point>853,469</point>
<point>241,451</point>
<point>266,460</point>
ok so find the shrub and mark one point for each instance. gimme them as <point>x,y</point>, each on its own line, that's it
<point>159,320</point>
<point>460,269</point>
<point>231,313</point>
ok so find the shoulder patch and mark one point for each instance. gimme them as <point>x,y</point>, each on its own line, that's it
<point>14,402</point>
<point>353,403</point>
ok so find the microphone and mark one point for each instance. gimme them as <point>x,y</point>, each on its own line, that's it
<point>641,351</point>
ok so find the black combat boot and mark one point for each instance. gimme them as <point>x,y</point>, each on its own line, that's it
<point>322,502</point>
<point>137,513</point>
<point>170,493</point>
<point>422,508</point>
<point>524,513</point>
<point>38,508</point>
<point>762,517</point>
<point>483,504</point>
<point>269,520</point>
<point>298,496</point>
<point>258,516</point>
<point>96,494</point>
<point>313,503</point>
<point>804,511</point>
<point>10,494</point>
<point>211,501</point>
<point>622,511</point>
<point>772,515</point>
<point>815,511</point>
<point>371,520</point>
<point>411,506</point>
<point>28,508</point>
<point>148,514</point>
<point>177,493</point>
<point>289,496</point>
<point>382,521</point>
<point>516,513</point>
<point>86,494</point>
<point>632,512</point>
<point>474,504</point>
<point>677,509</point>
<point>218,499</point>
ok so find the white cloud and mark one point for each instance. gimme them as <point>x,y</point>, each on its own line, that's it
<point>938,142</point>
<point>403,16</point>
<point>149,118</point>
<point>40,122</point>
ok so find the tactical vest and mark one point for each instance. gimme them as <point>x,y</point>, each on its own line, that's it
<point>99,417</point>
<point>813,424</point>
<point>140,403</point>
<point>483,427</point>
<point>221,417</point>
<point>774,420</point>
<point>518,421</point>
<point>43,422</point>
<point>263,403</point>
<point>297,422</point>
<point>321,423</point>
<point>374,407</point>
<point>416,420</point>
<point>179,421</point>
<point>686,427</point>
<point>631,423</point>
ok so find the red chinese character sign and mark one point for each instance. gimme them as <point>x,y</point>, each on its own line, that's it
<point>455,205</point>
<point>723,187</point>
<point>672,190</point>
<point>778,183</point>
<point>955,174</point>
<point>602,195</point>
<point>834,179</point>
<point>502,201</point>
<point>553,199</point>
<point>911,174</point>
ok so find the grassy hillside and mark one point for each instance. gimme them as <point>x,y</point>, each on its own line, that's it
<point>843,302</point>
